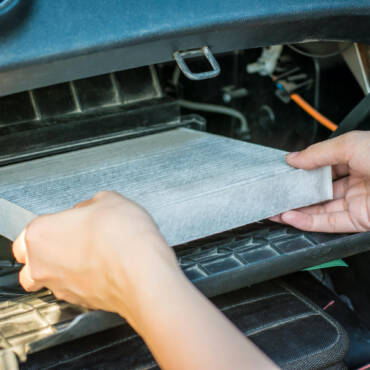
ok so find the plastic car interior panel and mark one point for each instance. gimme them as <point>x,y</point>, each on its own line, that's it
<point>75,45</point>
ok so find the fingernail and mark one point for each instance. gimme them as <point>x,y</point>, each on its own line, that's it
<point>292,155</point>
<point>288,216</point>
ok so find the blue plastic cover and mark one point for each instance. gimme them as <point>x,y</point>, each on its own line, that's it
<point>46,42</point>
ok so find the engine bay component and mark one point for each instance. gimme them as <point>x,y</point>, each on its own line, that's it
<point>215,265</point>
<point>204,51</point>
<point>268,314</point>
<point>357,57</point>
<point>355,117</point>
<point>313,112</point>
<point>120,107</point>
<point>194,184</point>
<point>84,113</point>
<point>266,63</point>
<point>68,44</point>
<point>286,91</point>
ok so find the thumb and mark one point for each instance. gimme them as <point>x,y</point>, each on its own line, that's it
<point>330,152</point>
<point>26,280</point>
<point>19,248</point>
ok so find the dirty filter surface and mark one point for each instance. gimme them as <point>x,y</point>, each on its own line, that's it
<point>194,184</point>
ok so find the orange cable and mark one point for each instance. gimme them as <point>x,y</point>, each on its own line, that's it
<point>313,112</point>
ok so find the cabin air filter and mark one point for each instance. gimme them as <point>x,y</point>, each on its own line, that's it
<point>194,184</point>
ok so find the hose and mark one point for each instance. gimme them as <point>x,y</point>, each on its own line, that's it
<point>313,112</point>
<point>212,108</point>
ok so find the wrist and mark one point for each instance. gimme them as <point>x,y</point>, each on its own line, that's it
<point>151,289</point>
<point>141,274</point>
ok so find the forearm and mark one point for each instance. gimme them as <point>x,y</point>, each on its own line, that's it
<point>106,253</point>
<point>185,331</point>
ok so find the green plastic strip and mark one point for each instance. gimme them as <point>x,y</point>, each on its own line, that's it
<point>335,263</point>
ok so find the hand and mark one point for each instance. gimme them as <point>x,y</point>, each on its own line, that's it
<point>95,254</point>
<point>349,211</point>
<point>107,253</point>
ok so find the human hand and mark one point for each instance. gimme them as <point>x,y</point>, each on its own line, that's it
<point>95,254</point>
<point>107,253</point>
<point>349,211</point>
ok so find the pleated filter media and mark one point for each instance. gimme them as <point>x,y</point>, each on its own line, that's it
<point>194,184</point>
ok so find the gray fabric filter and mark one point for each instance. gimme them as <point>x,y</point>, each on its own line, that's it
<point>194,184</point>
<point>13,219</point>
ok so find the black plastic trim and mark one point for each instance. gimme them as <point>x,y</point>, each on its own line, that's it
<point>282,251</point>
<point>216,265</point>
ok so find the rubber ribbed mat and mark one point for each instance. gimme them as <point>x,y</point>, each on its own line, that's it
<point>33,317</point>
<point>271,314</point>
<point>216,265</point>
<point>238,258</point>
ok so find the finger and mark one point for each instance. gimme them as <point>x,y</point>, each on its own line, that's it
<point>276,218</point>
<point>340,187</point>
<point>84,203</point>
<point>19,248</point>
<point>106,194</point>
<point>330,152</point>
<point>350,185</point>
<point>337,205</point>
<point>27,282</point>
<point>64,295</point>
<point>340,170</point>
<point>336,222</point>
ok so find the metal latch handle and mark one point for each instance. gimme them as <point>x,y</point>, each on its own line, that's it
<point>204,51</point>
